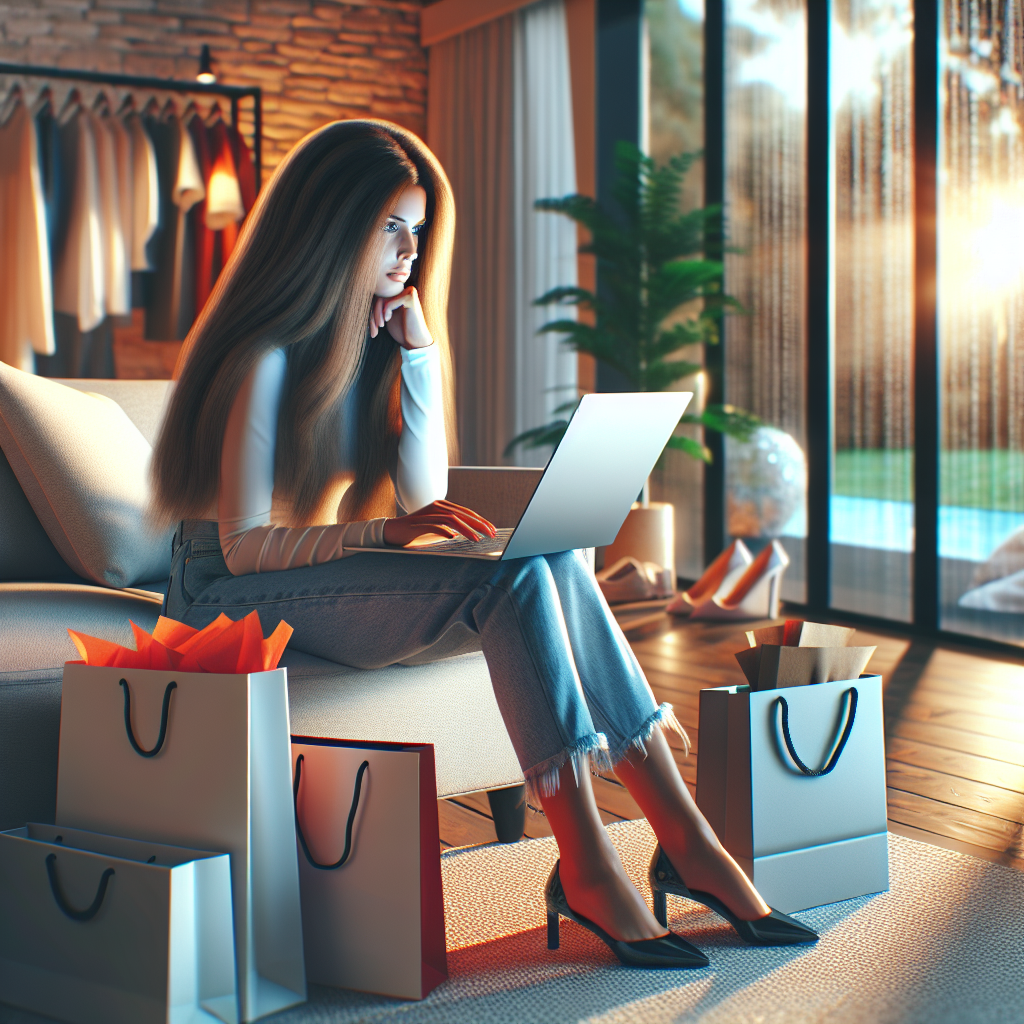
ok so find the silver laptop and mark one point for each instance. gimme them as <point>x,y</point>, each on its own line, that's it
<point>590,482</point>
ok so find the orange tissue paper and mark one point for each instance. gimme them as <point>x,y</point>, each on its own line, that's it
<point>223,646</point>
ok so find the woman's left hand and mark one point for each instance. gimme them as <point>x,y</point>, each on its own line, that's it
<point>403,318</point>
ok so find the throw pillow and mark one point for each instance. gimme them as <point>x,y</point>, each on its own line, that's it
<point>84,468</point>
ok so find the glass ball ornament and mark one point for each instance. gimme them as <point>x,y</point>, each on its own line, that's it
<point>766,482</point>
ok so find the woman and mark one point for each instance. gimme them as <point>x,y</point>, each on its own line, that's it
<point>315,395</point>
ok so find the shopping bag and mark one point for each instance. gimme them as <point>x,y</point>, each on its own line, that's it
<point>793,783</point>
<point>202,760</point>
<point>102,930</point>
<point>369,865</point>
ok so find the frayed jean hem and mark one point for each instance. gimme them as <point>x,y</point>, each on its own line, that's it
<point>591,753</point>
<point>664,718</point>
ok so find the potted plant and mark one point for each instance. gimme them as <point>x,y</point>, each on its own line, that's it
<point>661,292</point>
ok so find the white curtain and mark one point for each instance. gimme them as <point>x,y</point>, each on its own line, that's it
<point>545,243</point>
<point>500,121</point>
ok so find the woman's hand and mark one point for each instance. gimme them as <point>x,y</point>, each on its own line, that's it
<point>403,317</point>
<point>438,519</point>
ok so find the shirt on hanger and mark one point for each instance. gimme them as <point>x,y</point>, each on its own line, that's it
<point>145,191</point>
<point>123,146</point>
<point>26,304</point>
<point>224,196</point>
<point>49,170</point>
<point>190,190</point>
<point>161,315</point>
<point>246,172</point>
<point>117,284</point>
<point>204,240</point>
<point>79,284</point>
<point>189,187</point>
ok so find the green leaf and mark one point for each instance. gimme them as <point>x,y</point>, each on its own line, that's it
<point>538,437</point>
<point>662,286</point>
<point>692,448</point>
<point>726,419</point>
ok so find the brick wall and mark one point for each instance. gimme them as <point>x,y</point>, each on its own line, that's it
<point>316,60</point>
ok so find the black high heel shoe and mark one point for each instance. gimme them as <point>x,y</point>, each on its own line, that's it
<point>668,951</point>
<point>774,929</point>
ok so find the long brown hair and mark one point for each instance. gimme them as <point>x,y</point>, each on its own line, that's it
<point>301,278</point>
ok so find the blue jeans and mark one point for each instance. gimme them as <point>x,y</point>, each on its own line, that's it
<point>566,681</point>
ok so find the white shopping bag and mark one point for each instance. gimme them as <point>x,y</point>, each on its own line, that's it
<point>200,760</point>
<point>805,816</point>
<point>369,865</point>
<point>101,930</point>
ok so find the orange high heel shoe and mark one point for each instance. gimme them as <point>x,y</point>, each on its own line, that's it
<point>719,578</point>
<point>755,595</point>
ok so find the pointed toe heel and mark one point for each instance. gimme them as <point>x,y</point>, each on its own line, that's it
<point>774,929</point>
<point>667,951</point>
<point>660,901</point>
<point>553,937</point>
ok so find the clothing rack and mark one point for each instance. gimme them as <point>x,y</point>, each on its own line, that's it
<point>235,93</point>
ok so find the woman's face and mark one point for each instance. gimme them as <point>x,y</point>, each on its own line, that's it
<point>402,229</point>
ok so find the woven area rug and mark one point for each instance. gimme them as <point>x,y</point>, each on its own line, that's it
<point>944,946</point>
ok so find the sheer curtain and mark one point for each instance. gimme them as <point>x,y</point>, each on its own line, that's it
<point>499,119</point>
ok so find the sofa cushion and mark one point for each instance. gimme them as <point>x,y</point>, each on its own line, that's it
<point>448,703</point>
<point>34,644</point>
<point>84,467</point>
<point>26,553</point>
<point>143,401</point>
<point>36,618</point>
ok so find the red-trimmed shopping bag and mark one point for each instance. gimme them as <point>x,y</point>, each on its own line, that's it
<point>96,929</point>
<point>369,865</point>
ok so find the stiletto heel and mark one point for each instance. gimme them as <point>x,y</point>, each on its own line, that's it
<point>755,594</point>
<point>660,901</point>
<point>774,929</point>
<point>552,930</point>
<point>667,951</point>
<point>719,579</point>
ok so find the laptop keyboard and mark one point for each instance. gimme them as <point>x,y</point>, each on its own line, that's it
<point>486,546</point>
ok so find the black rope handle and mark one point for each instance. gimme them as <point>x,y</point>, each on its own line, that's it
<point>76,915</point>
<point>172,685</point>
<point>348,827</point>
<point>851,714</point>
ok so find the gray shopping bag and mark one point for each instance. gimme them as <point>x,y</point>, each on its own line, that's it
<point>201,760</point>
<point>101,930</point>
<point>793,783</point>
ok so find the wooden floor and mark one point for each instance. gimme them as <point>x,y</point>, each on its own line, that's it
<point>954,735</point>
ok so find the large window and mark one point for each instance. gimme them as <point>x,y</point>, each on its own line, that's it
<point>872,504</point>
<point>883,433</point>
<point>981,319</point>
<point>765,219</point>
<point>675,35</point>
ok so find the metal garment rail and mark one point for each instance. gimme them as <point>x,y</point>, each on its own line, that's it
<point>235,93</point>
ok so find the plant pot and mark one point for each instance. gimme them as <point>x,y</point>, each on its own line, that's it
<point>648,535</point>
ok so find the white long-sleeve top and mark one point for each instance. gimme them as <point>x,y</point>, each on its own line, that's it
<point>26,301</point>
<point>249,539</point>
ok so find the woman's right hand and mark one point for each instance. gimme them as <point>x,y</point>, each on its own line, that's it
<point>438,519</point>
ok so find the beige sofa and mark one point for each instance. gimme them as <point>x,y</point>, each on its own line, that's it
<point>46,586</point>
